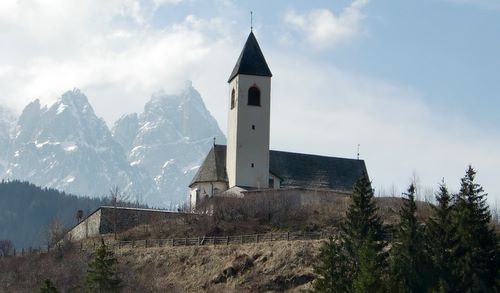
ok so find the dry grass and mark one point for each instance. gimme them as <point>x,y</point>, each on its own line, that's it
<point>271,266</point>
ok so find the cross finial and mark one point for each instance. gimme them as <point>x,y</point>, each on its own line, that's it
<point>358,151</point>
<point>214,140</point>
<point>251,21</point>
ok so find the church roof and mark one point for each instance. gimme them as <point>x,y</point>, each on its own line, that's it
<point>295,169</point>
<point>213,167</point>
<point>251,60</point>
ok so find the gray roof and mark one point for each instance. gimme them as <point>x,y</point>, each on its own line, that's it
<point>295,169</point>
<point>213,167</point>
<point>251,60</point>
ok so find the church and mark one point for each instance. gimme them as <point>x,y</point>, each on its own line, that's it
<point>246,165</point>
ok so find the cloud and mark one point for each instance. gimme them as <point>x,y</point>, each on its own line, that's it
<point>109,50</point>
<point>320,109</point>
<point>323,29</point>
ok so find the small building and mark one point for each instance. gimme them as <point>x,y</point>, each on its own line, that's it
<point>247,165</point>
<point>106,219</point>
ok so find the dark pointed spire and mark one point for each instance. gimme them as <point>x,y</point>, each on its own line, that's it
<point>251,60</point>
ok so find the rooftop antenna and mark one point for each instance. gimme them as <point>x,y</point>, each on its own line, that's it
<point>358,151</point>
<point>214,140</point>
<point>251,21</point>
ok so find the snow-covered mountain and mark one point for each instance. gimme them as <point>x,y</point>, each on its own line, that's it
<point>7,122</point>
<point>67,147</point>
<point>151,156</point>
<point>169,140</point>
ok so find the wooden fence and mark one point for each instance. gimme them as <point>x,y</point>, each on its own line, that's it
<point>197,241</point>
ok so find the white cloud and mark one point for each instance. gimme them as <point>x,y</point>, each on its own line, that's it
<point>109,50</point>
<point>323,29</point>
<point>319,109</point>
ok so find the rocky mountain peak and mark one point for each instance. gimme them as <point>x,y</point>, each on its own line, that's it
<point>151,156</point>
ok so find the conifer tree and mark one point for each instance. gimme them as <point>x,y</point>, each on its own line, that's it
<point>48,287</point>
<point>363,233</point>
<point>362,222</point>
<point>102,273</point>
<point>478,269</point>
<point>355,261</point>
<point>442,241</point>
<point>334,268</point>
<point>410,267</point>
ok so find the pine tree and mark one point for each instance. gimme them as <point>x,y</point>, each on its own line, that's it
<point>478,268</point>
<point>102,274</point>
<point>334,268</point>
<point>364,238</point>
<point>355,261</point>
<point>362,222</point>
<point>48,287</point>
<point>442,241</point>
<point>371,268</point>
<point>410,267</point>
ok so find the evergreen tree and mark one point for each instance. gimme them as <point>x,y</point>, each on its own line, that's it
<point>442,241</point>
<point>102,274</point>
<point>362,222</point>
<point>371,268</point>
<point>363,233</point>
<point>48,287</point>
<point>355,261</point>
<point>334,268</point>
<point>410,267</point>
<point>478,268</point>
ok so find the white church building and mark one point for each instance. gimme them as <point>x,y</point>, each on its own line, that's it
<point>246,164</point>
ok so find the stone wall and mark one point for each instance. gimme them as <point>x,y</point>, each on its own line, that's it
<point>102,221</point>
<point>88,227</point>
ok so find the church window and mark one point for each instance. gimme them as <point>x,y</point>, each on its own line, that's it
<point>253,127</point>
<point>254,96</point>
<point>233,99</point>
<point>252,165</point>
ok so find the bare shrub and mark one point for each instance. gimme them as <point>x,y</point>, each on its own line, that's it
<point>6,248</point>
<point>54,231</point>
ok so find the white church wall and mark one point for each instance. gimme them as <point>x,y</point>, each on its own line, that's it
<point>204,190</point>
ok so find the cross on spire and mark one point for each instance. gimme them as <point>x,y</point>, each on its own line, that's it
<point>251,21</point>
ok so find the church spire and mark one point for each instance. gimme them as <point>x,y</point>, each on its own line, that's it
<point>251,60</point>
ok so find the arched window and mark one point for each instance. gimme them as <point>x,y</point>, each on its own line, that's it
<point>254,96</point>
<point>233,99</point>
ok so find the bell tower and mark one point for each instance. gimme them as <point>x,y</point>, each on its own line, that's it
<point>247,156</point>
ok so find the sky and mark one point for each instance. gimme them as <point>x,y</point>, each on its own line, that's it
<point>415,83</point>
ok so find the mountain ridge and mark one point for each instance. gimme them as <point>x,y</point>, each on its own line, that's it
<point>150,156</point>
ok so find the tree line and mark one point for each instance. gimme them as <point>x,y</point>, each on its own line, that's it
<point>455,250</point>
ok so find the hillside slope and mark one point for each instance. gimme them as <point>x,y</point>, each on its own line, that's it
<point>271,266</point>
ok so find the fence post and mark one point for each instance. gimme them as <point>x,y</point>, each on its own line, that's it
<point>146,243</point>
<point>199,240</point>
<point>287,236</point>
<point>257,238</point>
<point>227,240</point>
